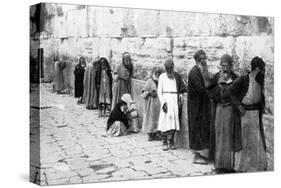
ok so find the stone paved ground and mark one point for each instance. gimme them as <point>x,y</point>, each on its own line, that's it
<point>75,148</point>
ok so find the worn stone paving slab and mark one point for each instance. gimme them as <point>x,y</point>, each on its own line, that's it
<point>75,148</point>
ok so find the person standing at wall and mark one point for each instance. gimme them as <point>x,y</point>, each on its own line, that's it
<point>247,94</point>
<point>105,87</point>
<point>152,105</point>
<point>169,91</point>
<point>90,86</point>
<point>225,116</point>
<point>122,78</point>
<point>63,75</point>
<point>199,110</point>
<point>79,79</point>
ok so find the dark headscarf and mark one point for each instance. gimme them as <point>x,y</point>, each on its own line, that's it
<point>258,62</point>
<point>107,68</point>
<point>106,63</point>
<point>129,67</point>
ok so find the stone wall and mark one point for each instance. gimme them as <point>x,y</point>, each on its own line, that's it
<point>151,36</point>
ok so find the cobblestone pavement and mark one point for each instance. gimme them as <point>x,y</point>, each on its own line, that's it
<point>75,148</point>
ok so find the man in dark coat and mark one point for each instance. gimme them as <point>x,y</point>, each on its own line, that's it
<point>224,117</point>
<point>198,110</point>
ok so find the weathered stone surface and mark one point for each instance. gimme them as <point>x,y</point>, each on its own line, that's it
<point>248,47</point>
<point>151,36</point>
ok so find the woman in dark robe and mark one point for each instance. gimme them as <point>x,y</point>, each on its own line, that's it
<point>247,95</point>
<point>151,106</point>
<point>122,78</point>
<point>118,121</point>
<point>224,116</point>
<point>79,79</point>
<point>105,87</point>
<point>90,93</point>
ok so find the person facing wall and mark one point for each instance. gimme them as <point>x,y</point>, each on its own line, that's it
<point>90,95</point>
<point>63,76</point>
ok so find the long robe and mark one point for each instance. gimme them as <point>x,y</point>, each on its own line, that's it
<point>168,92</point>
<point>151,107</point>
<point>105,90</point>
<point>224,119</point>
<point>90,89</point>
<point>79,80</point>
<point>198,111</point>
<point>63,76</point>
<point>246,91</point>
<point>121,83</point>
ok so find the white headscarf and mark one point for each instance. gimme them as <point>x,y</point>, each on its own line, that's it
<point>127,98</point>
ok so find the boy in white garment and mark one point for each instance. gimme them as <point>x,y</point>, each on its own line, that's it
<point>169,89</point>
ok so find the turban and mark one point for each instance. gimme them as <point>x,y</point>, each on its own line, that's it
<point>227,58</point>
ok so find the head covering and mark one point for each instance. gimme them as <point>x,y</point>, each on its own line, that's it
<point>227,58</point>
<point>198,54</point>
<point>156,69</point>
<point>129,67</point>
<point>127,98</point>
<point>105,63</point>
<point>82,58</point>
<point>169,63</point>
<point>257,62</point>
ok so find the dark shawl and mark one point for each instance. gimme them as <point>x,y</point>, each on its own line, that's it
<point>237,92</point>
<point>198,111</point>
<point>117,115</point>
<point>215,95</point>
<point>79,79</point>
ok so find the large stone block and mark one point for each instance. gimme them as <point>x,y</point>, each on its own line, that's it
<point>77,23</point>
<point>269,135</point>
<point>248,47</point>
<point>109,21</point>
<point>146,22</point>
<point>59,29</point>
<point>269,89</point>
<point>182,24</point>
<point>185,48</point>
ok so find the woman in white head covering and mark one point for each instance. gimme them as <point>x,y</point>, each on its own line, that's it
<point>118,121</point>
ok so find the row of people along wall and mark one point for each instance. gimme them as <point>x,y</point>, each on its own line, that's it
<point>224,110</point>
